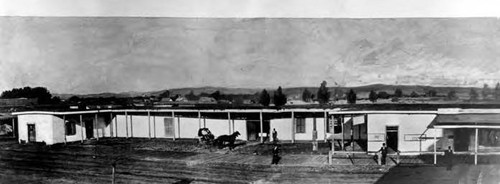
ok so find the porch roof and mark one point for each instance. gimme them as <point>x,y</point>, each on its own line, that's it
<point>486,120</point>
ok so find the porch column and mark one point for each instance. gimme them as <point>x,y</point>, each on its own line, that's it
<point>261,129</point>
<point>352,132</point>
<point>178,126</point>
<point>96,129</point>
<point>232,121</point>
<point>475,147</point>
<point>81,127</point>
<point>199,119</point>
<point>154,126</point>
<point>293,127</point>
<point>325,125</point>
<point>229,122</point>
<point>435,147</point>
<point>131,127</point>
<point>111,133</point>
<point>149,124</point>
<point>116,126</point>
<point>179,121</point>
<point>342,131</point>
<point>204,122</point>
<point>14,128</point>
<point>126,124</point>
<point>64,125</point>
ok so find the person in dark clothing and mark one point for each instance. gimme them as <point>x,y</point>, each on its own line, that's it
<point>275,135</point>
<point>448,155</point>
<point>383,153</point>
<point>276,154</point>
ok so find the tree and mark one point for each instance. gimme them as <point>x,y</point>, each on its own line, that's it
<point>74,99</point>
<point>279,97</point>
<point>323,94</point>
<point>473,94</point>
<point>175,97</point>
<point>165,94</point>
<point>497,91</point>
<point>351,97</point>
<point>398,93</point>
<point>191,96</point>
<point>55,100</point>
<point>307,96</point>
<point>452,95</point>
<point>431,93</point>
<point>42,94</point>
<point>372,96</point>
<point>264,98</point>
<point>216,95</point>
<point>414,94</point>
<point>485,92</point>
<point>383,95</point>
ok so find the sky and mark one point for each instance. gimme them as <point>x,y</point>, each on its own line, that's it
<point>103,47</point>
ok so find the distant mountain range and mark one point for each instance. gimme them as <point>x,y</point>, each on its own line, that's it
<point>362,91</point>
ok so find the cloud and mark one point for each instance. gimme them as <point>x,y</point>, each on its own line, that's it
<point>90,55</point>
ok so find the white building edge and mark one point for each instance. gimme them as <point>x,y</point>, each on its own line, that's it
<point>409,132</point>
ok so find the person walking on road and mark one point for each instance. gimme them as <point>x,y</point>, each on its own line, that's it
<point>276,154</point>
<point>448,155</point>
<point>383,154</point>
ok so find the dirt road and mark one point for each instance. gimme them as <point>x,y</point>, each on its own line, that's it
<point>84,164</point>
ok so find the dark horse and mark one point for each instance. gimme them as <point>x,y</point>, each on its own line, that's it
<point>226,139</point>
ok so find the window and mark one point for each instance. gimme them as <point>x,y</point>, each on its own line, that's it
<point>334,125</point>
<point>300,124</point>
<point>329,126</point>
<point>70,127</point>
<point>337,125</point>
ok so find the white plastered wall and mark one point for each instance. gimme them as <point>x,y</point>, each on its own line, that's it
<point>284,129</point>
<point>408,124</point>
<point>183,127</point>
<point>43,127</point>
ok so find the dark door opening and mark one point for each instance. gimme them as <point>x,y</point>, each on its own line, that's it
<point>392,137</point>
<point>89,129</point>
<point>253,130</point>
<point>31,133</point>
<point>461,139</point>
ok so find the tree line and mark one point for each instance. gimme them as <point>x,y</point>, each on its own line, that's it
<point>278,98</point>
<point>40,93</point>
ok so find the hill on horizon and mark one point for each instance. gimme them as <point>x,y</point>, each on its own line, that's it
<point>362,91</point>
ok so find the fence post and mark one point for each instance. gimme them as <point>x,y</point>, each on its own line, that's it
<point>330,157</point>
<point>398,157</point>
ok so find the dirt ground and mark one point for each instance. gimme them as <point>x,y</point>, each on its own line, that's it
<point>185,161</point>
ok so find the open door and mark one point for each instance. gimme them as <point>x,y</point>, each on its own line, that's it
<point>461,141</point>
<point>31,133</point>
<point>89,129</point>
<point>253,129</point>
<point>392,137</point>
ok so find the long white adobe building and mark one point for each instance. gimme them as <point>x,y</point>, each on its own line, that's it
<point>409,132</point>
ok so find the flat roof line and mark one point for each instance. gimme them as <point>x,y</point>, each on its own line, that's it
<point>330,111</point>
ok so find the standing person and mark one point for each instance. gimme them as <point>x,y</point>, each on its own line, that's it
<point>276,154</point>
<point>383,153</point>
<point>275,135</point>
<point>448,155</point>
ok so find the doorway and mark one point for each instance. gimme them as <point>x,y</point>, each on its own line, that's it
<point>31,133</point>
<point>89,129</point>
<point>462,138</point>
<point>392,137</point>
<point>253,129</point>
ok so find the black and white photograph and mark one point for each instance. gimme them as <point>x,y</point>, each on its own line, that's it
<point>250,91</point>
